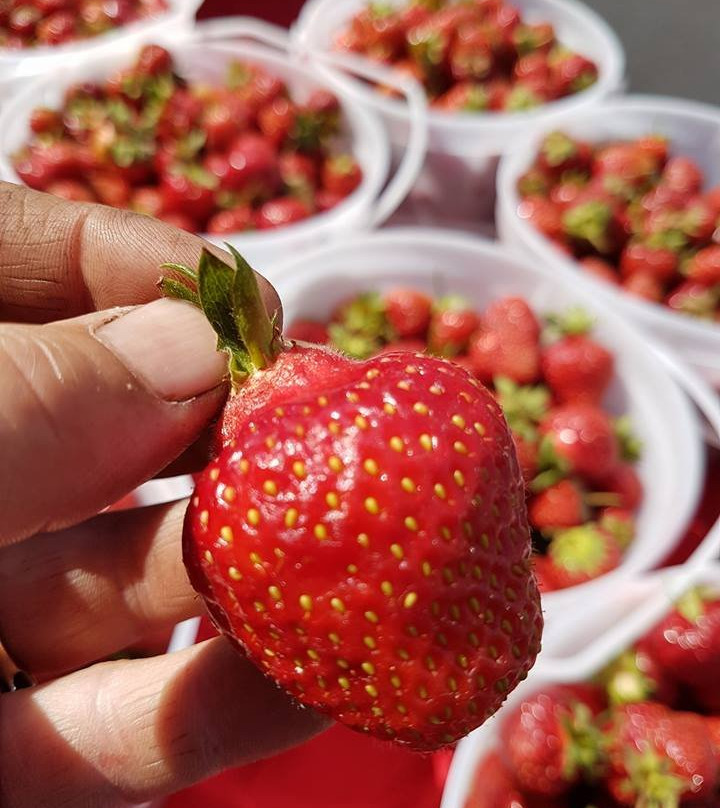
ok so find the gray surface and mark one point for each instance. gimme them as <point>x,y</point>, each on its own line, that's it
<point>672,46</point>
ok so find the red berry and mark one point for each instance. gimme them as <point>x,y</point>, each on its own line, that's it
<point>153,60</point>
<point>626,163</point>
<point>408,312</point>
<point>493,786</point>
<point>190,191</point>
<point>577,369</point>
<point>276,539</point>
<point>276,120</point>
<point>280,212</point>
<point>110,188</point>
<point>308,331</point>
<point>451,325</point>
<point>682,175</point>
<point>541,742</point>
<point>620,522</point>
<point>234,220</point>
<point>341,174</point>
<point>72,190</point>
<point>527,453</point>
<point>583,438</point>
<point>147,200</point>
<point>600,268</point>
<point>559,506</point>
<point>697,299</point>
<point>559,152</point>
<point>686,642</point>
<point>661,756</point>
<point>543,214</point>
<point>623,481</point>
<point>657,262</point>
<point>704,266</point>
<point>645,286</point>
<point>251,161</point>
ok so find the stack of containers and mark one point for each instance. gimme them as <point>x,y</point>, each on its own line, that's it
<point>455,184</point>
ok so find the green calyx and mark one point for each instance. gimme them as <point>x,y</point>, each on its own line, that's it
<point>557,148</point>
<point>624,682</point>
<point>622,530</point>
<point>524,406</point>
<point>361,327</point>
<point>586,746</point>
<point>578,549</point>
<point>572,322</point>
<point>553,467</point>
<point>231,300</point>
<point>589,221</point>
<point>630,445</point>
<point>651,781</point>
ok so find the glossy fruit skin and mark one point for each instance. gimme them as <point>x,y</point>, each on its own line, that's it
<point>367,550</point>
<point>560,505</point>
<point>583,436</point>
<point>493,786</point>
<point>679,740</point>
<point>537,743</point>
<point>408,312</point>
<point>688,647</point>
<point>578,369</point>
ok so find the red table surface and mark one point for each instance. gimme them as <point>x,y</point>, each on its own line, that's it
<point>343,769</point>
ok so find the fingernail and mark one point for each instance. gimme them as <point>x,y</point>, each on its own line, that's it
<point>169,345</point>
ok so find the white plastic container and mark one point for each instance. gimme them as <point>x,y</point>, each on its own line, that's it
<point>442,262</point>
<point>17,66</point>
<point>457,183</point>
<point>693,130</point>
<point>200,59</point>
<point>626,611</point>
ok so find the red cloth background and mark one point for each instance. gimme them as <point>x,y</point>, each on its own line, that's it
<point>343,769</point>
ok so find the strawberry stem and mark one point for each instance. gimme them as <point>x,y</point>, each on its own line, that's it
<point>230,299</point>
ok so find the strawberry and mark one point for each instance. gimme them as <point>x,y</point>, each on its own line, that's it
<point>325,200</point>
<point>623,482</point>
<point>277,119</point>
<point>699,221</point>
<point>147,200</point>
<point>704,266</point>
<point>543,214</point>
<point>559,506</point>
<point>281,211</point>
<point>471,56</point>
<point>189,190</point>
<point>527,453</point>
<point>560,153</point>
<point>451,325</point>
<point>599,268</point>
<point>686,642</point>
<point>619,523</point>
<point>408,312</point>
<point>493,786</point>
<point>697,299</point>
<point>593,223</point>
<point>342,536</point>
<point>626,165</point>
<point>299,173</point>
<point>682,175</point>
<point>251,160</point>
<point>544,573</point>
<point>580,554</point>
<point>572,72</point>
<point>549,742</point>
<point>580,438</point>
<point>308,331</point>
<point>576,368</point>
<point>110,188</point>
<point>644,285</point>
<point>507,342</point>
<point>658,757</point>
<point>71,190</point>
<point>634,676</point>
<point>466,96</point>
<point>153,60</point>
<point>44,120</point>
<point>643,259</point>
<point>341,174</point>
<point>233,220</point>
<point>712,726</point>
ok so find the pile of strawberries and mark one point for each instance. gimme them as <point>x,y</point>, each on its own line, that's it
<point>27,23</point>
<point>224,159</point>
<point>645,733</point>
<point>577,459</point>
<point>470,56</point>
<point>633,215</point>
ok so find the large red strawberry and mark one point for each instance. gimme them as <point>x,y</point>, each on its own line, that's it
<point>549,742</point>
<point>658,757</point>
<point>361,534</point>
<point>686,642</point>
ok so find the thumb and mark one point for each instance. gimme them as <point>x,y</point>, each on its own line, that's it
<point>93,406</point>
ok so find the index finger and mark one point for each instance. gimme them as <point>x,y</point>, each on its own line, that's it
<point>61,259</point>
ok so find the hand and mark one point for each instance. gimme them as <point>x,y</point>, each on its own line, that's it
<point>90,407</point>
